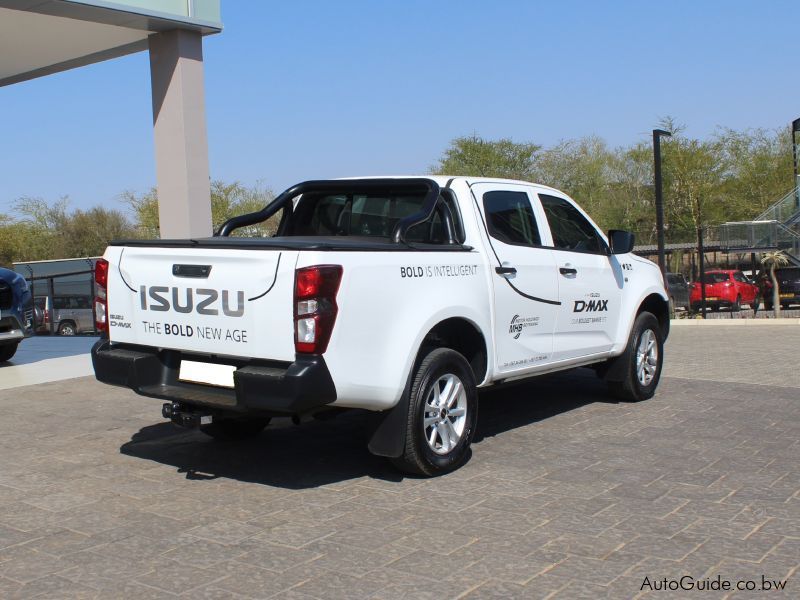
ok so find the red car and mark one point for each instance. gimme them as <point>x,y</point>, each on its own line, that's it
<point>724,288</point>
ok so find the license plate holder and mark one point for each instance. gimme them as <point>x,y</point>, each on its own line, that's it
<point>192,371</point>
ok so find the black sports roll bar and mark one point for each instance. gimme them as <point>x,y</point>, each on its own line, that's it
<point>349,185</point>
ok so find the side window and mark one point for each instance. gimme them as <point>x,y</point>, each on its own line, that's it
<point>738,276</point>
<point>509,218</point>
<point>570,229</point>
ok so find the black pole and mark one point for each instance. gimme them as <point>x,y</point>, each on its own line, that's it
<point>657,133</point>
<point>51,310</point>
<point>701,260</point>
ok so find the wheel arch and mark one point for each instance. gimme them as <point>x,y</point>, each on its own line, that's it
<point>461,335</point>
<point>388,437</point>
<point>659,307</point>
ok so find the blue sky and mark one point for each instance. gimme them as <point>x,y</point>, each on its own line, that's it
<point>313,89</point>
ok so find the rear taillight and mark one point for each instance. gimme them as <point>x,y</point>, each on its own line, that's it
<point>101,295</point>
<point>315,307</point>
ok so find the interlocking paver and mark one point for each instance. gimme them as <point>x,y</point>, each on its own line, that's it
<point>568,494</point>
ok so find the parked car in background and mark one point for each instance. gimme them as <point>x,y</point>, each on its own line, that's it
<point>788,287</point>
<point>725,288</point>
<point>16,312</point>
<point>72,314</point>
<point>678,290</point>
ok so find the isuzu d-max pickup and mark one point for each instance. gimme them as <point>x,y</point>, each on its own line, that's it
<point>402,296</point>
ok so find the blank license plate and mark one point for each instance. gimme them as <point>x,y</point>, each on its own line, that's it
<point>787,295</point>
<point>207,373</point>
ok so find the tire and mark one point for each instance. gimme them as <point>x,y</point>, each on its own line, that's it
<point>737,304</point>
<point>439,429</point>
<point>631,388</point>
<point>67,328</point>
<point>7,351</point>
<point>235,429</point>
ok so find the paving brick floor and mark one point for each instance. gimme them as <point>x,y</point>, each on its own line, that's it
<point>567,495</point>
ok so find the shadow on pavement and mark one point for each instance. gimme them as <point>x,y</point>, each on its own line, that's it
<point>320,453</point>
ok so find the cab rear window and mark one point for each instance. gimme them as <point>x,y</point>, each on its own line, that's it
<point>369,215</point>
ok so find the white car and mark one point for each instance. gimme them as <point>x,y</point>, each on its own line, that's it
<point>397,295</point>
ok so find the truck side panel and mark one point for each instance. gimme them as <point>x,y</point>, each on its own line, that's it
<point>386,308</point>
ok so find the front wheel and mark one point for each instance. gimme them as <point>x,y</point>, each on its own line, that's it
<point>234,429</point>
<point>442,413</point>
<point>644,357</point>
<point>7,351</point>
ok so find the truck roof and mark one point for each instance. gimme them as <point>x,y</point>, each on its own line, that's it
<point>443,179</point>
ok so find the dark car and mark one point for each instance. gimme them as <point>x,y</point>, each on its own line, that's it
<point>788,287</point>
<point>16,312</point>
<point>678,289</point>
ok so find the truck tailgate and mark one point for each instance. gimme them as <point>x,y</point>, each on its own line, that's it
<point>208,301</point>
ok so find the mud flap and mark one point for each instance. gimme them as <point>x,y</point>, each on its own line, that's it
<point>389,430</point>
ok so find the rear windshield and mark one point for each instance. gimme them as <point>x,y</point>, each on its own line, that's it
<point>716,278</point>
<point>373,215</point>
<point>674,279</point>
<point>791,274</point>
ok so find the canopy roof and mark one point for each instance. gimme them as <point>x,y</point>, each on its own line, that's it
<point>40,37</point>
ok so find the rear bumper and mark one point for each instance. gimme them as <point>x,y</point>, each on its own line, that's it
<point>259,386</point>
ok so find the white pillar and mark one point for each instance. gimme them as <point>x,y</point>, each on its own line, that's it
<point>179,127</point>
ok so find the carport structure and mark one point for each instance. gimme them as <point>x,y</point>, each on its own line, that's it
<point>41,37</point>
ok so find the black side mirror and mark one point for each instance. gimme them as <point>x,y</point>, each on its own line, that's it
<point>621,242</point>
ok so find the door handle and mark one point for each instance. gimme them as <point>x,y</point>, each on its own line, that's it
<point>505,270</point>
<point>567,271</point>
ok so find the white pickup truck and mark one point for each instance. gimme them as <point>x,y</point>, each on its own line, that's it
<point>401,296</point>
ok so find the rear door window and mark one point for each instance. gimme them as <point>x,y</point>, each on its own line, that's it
<point>510,219</point>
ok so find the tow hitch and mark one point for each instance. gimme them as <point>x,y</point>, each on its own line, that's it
<point>182,417</point>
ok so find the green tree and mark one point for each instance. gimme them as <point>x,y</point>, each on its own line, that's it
<point>227,200</point>
<point>759,169</point>
<point>478,157</point>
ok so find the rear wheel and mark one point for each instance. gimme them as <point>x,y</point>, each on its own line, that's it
<point>7,351</point>
<point>442,413</point>
<point>67,328</point>
<point>234,429</point>
<point>643,358</point>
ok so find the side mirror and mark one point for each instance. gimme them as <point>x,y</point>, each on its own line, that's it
<point>621,242</point>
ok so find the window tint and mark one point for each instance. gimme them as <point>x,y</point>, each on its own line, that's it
<point>739,276</point>
<point>570,229</point>
<point>509,218</point>
<point>71,302</point>
<point>674,279</point>
<point>711,278</point>
<point>369,215</point>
